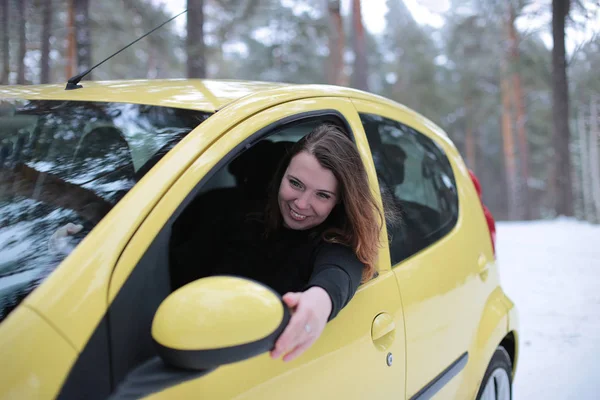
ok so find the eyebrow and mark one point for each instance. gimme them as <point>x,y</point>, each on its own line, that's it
<point>318,190</point>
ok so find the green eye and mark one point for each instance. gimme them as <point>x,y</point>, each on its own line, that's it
<point>295,183</point>
<point>324,195</point>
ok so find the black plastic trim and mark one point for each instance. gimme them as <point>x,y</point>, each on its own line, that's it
<point>151,377</point>
<point>442,379</point>
<point>213,358</point>
<point>89,377</point>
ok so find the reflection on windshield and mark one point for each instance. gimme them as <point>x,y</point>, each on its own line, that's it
<point>63,166</point>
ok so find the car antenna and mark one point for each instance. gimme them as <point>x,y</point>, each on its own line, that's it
<point>72,83</point>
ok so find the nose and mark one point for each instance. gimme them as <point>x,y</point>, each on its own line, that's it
<point>302,201</point>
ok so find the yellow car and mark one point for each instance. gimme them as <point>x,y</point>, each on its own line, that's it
<point>99,184</point>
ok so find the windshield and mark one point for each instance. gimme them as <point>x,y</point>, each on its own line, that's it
<point>63,166</point>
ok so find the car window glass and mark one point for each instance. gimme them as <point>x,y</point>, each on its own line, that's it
<point>416,182</point>
<point>67,162</point>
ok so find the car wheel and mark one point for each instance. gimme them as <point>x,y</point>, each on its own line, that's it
<point>497,382</point>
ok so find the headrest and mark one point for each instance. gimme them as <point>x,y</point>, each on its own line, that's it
<point>254,168</point>
<point>394,158</point>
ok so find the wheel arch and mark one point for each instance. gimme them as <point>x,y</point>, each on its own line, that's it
<point>492,332</point>
<point>510,344</point>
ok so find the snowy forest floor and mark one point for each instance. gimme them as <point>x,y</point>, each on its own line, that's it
<point>551,270</point>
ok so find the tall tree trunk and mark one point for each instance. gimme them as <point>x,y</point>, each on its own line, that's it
<point>510,164</point>
<point>562,193</point>
<point>336,44</point>
<point>5,5</point>
<point>524,192</point>
<point>152,72</point>
<point>196,63</point>
<point>360,73</point>
<point>470,143</point>
<point>585,182</point>
<point>583,185</point>
<point>594,157</point>
<point>45,40</point>
<point>70,61</point>
<point>83,36</point>
<point>22,42</point>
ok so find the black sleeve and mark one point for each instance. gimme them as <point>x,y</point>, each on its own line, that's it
<point>338,271</point>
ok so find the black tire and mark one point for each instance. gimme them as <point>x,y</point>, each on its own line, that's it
<point>501,360</point>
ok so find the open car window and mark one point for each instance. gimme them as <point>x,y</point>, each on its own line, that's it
<point>67,162</point>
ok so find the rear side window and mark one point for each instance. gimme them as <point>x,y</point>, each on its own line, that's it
<point>416,183</point>
<point>63,166</point>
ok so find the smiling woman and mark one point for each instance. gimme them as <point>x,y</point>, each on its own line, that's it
<point>314,242</point>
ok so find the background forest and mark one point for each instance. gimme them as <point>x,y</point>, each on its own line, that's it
<point>515,83</point>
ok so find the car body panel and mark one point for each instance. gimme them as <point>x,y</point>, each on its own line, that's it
<point>442,290</point>
<point>261,377</point>
<point>492,329</point>
<point>38,357</point>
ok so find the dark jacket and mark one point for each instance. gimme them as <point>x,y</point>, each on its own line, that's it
<point>286,260</point>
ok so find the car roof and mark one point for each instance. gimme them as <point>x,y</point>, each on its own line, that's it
<point>196,94</point>
<point>208,95</point>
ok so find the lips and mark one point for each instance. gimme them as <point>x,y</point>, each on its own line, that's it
<point>296,216</point>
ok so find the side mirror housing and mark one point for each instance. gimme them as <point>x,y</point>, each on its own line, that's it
<point>218,320</point>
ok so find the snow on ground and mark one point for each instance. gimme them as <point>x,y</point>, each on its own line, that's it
<point>551,270</point>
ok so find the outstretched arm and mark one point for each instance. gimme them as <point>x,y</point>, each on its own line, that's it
<point>335,279</point>
<point>338,271</point>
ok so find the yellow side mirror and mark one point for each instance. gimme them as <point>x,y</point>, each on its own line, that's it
<point>218,320</point>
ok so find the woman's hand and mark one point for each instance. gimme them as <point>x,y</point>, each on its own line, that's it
<point>310,310</point>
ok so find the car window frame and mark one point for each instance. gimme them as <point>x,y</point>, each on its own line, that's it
<point>426,128</point>
<point>160,231</point>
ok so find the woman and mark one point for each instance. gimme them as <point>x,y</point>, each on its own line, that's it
<point>316,242</point>
<point>321,204</point>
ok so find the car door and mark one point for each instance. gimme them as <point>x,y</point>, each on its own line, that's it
<point>359,355</point>
<point>434,251</point>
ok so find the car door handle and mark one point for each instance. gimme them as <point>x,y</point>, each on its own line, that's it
<point>383,331</point>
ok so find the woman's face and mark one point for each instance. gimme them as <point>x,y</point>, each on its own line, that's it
<point>307,193</point>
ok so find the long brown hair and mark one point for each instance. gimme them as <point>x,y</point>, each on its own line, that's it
<point>356,220</point>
